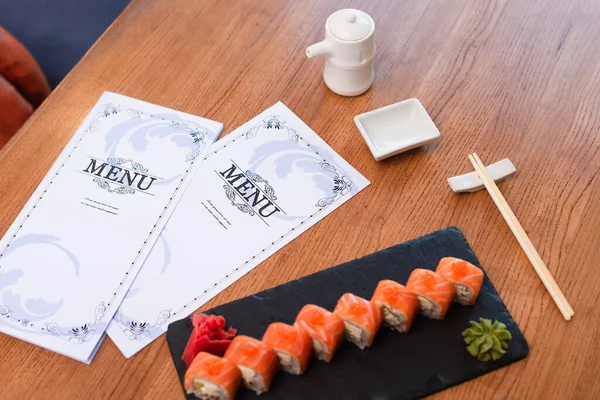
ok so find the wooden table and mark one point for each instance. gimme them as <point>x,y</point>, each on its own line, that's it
<point>509,79</point>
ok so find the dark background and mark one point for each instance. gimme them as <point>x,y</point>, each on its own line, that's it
<point>58,32</point>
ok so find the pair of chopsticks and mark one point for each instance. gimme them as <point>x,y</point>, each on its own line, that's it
<point>516,228</point>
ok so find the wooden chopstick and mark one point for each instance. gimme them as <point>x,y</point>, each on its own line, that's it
<point>524,236</point>
<point>532,254</point>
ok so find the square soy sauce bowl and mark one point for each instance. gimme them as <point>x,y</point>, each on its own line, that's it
<point>396,128</point>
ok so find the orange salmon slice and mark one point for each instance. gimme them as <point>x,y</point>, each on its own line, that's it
<point>325,328</point>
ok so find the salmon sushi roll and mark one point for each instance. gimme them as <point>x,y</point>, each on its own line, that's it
<point>398,304</point>
<point>435,292</point>
<point>466,278</point>
<point>292,345</point>
<point>325,329</point>
<point>362,319</point>
<point>256,361</point>
<point>212,378</point>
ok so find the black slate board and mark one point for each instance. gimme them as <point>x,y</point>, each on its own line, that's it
<point>430,358</point>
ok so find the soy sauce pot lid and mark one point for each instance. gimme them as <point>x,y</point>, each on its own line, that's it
<point>350,24</point>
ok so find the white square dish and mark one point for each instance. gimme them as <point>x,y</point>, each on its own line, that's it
<point>396,128</point>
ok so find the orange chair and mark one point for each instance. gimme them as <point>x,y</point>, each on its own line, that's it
<point>23,86</point>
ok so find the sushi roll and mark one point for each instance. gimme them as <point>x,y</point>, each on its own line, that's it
<point>325,328</point>
<point>398,304</point>
<point>292,345</point>
<point>435,292</point>
<point>361,318</point>
<point>466,278</point>
<point>212,378</point>
<point>257,362</point>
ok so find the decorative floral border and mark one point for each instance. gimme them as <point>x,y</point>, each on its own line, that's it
<point>199,136</point>
<point>136,330</point>
<point>341,185</point>
<point>80,334</point>
<point>272,122</point>
<point>231,195</point>
<point>268,189</point>
<point>136,166</point>
<point>119,189</point>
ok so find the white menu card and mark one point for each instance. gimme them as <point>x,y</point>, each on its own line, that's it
<point>70,256</point>
<point>256,190</point>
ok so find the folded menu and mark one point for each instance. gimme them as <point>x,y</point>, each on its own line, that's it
<point>256,190</point>
<point>70,256</point>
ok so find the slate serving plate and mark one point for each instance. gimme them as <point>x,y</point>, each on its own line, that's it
<point>430,358</point>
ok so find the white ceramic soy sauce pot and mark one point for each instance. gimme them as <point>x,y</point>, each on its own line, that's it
<point>349,46</point>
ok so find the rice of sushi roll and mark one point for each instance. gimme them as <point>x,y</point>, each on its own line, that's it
<point>325,329</point>
<point>212,378</point>
<point>398,304</point>
<point>257,362</point>
<point>435,292</point>
<point>466,278</point>
<point>292,345</point>
<point>361,318</point>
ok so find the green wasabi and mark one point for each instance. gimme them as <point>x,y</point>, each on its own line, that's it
<point>486,340</point>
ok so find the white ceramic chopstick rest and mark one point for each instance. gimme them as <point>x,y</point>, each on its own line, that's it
<point>471,183</point>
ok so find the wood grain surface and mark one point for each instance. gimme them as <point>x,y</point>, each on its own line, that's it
<point>516,79</point>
